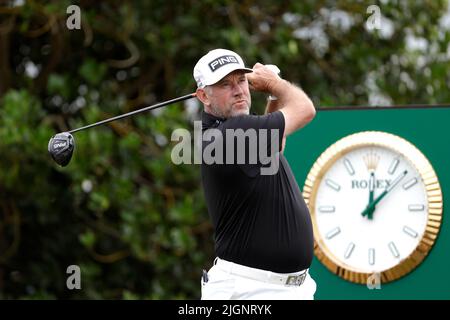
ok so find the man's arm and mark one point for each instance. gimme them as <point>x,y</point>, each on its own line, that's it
<point>272,101</point>
<point>297,108</point>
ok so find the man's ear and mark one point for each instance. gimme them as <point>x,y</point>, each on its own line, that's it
<point>202,96</point>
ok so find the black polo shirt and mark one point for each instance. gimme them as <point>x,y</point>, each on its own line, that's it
<point>260,220</point>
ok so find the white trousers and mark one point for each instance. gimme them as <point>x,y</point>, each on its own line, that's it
<point>224,284</point>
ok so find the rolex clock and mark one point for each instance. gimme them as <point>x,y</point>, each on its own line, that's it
<point>376,206</point>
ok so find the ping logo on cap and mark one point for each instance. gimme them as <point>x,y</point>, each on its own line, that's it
<point>222,61</point>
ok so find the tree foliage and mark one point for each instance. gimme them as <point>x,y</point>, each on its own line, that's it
<point>134,222</point>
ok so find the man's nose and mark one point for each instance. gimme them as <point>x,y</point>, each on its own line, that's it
<point>238,89</point>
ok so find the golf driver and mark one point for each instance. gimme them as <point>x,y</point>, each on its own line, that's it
<point>62,144</point>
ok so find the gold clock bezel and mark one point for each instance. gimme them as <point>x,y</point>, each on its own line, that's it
<point>434,198</point>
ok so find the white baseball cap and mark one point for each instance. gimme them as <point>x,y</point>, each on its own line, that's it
<point>215,65</point>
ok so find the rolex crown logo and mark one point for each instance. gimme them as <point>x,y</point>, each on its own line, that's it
<point>371,160</point>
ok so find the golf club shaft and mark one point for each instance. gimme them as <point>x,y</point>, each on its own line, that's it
<point>155,106</point>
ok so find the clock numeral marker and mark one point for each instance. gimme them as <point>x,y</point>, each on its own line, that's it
<point>371,256</point>
<point>393,166</point>
<point>410,183</point>
<point>333,184</point>
<point>349,167</point>
<point>416,207</point>
<point>326,208</point>
<point>349,250</point>
<point>410,232</point>
<point>333,233</point>
<point>393,249</point>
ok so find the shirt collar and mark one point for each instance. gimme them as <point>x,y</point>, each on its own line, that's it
<point>209,120</point>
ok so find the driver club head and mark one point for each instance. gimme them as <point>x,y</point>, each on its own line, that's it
<point>61,148</point>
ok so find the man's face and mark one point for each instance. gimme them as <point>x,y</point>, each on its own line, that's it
<point>230,97</point>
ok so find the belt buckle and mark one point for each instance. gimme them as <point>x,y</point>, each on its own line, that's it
<point>296,280</point>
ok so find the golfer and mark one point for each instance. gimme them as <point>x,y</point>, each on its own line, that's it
<point>262,227</point>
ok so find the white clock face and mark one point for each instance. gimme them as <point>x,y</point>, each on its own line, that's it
<point>378,239</point>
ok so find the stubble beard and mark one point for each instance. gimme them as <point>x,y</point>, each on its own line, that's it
<point>230,112</point>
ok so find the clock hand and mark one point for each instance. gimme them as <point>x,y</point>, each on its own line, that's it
<point>371,206</point>
<point>371,191</point>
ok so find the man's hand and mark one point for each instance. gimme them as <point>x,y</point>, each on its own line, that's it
<point>262,78</point>
<point>296,107</point>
